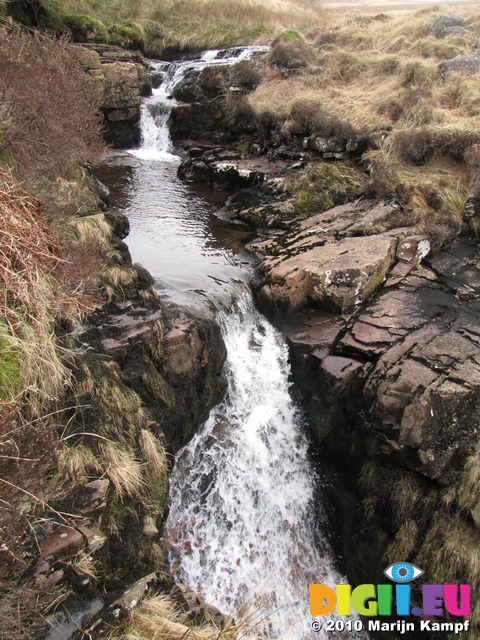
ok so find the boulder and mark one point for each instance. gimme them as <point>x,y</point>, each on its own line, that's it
<point>330,275</point>
<point>468,65</point>
<point>227,170</point>
<point>448,25</point>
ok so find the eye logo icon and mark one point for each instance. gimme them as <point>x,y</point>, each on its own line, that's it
<point>403,572</point>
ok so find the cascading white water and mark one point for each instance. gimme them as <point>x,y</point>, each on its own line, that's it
<point>242,526</point>
<point>155,111</point>
<point>243,522</point>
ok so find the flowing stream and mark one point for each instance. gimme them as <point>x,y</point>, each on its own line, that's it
<point>245,527</point>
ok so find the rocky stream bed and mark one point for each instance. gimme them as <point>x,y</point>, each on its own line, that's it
<point>382,329</point>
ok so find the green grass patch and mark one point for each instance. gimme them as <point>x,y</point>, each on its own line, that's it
<point>9,367</point>
<point>321,186</point>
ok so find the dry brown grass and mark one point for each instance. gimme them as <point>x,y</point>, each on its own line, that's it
<point>186,25</point>
<point>30,299</point>
<point>154,455</point>
<point>159,617</point>
<point>123,469</point>
<point>48,117</point>
<point>378,75</point>
<point>77,463</point>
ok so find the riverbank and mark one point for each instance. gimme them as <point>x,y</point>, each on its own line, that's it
<point>99,382</point>
<point>357,256</point>
<point>363,269</point>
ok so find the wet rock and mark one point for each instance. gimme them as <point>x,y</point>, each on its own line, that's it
<point>93,497</point>
<point>192,606</point>
<point>121,102</point>
<point>263,207</point>
<point>187,90</point>
<point>467,65</point>
<point>331,275</point>
<point>448,25</point>
<point>471,209</point>
<point>173,361</point>
<point>117,611</point>
<point>227,170</point>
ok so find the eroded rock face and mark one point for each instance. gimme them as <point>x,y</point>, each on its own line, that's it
<point>324,262</point>
<point>172,360</point>
<point>415,352</point>
<point>118,80</point>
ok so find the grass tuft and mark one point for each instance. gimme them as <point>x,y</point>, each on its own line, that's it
<point>154,455</point>
<point>125,472</point>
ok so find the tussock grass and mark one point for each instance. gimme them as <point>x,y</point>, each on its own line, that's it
<point>123,469</point>
<point>378,76</point>
<point>452,552</point>
<point>30,300</point>
<point>92,229</point>
<point>78,462</point>
<point>154,455</point>
<point>121,276</point>
<point>181,25</point>
<point>466,492</point>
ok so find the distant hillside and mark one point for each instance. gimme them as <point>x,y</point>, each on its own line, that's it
<point>159,27</point>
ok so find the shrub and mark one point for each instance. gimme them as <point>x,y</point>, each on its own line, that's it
<point>242,116</point>
<point>290,54</point>
<point>307,117</point>
<point>48,113</point>
<point>245,75</point>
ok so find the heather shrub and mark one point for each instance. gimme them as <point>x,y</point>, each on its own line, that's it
<point>290,54</point>
<point>245,75</point>
<point>307,117</point>
<point>48,113</point>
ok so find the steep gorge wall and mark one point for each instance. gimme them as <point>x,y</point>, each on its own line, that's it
<point>383,334</point>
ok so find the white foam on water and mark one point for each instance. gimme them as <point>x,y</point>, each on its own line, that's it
<point>155,110</point>
<point>242,526</point>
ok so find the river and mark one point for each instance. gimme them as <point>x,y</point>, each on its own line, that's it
<point>245,527</point>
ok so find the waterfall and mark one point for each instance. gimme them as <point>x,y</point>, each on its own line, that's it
<point>242,528</point>
<point>245,524</point>
<point>155,111</point>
